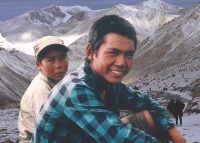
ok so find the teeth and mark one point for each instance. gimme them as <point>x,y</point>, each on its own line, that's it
<point>117,72</point>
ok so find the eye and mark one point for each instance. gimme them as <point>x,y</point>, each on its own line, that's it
<point>114,52</point>
<point>129,54</point>
<point>50,59</point>
<point>63,57</point>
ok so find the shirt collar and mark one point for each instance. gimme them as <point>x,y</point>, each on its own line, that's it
<point>50,82</point>
<point>90,75</point>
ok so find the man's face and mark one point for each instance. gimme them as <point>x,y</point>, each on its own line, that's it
<point>114,58</point>
<point>54,65</point>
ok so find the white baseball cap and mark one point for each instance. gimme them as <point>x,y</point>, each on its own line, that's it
<point>46,41</point>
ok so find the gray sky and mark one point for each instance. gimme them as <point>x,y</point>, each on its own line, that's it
<point>12,8</point>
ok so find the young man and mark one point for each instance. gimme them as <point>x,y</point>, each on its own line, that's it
<point>52,63</point>
<point>84,107</point>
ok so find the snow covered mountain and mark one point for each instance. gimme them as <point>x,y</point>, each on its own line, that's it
<point>53,20</point>
<point>170,58</point>
<point>74,22</point>
<point>16,71</point>
<point>144,18</point>
<point>5,44</point>
<point>176,42</point>
<point>158,4</point>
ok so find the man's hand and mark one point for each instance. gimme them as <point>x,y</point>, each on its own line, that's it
<point>175,136</point>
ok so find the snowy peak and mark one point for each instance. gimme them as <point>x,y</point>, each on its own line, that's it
<point>169,59</point>
<point>170,56</point>
<point>74,21</point>
<point>161,49</point>
<point>16,71</point>
<point>147,17</point>
<point>158,4</point>
<point>4,43</point>
<point>55,15</point>
<point>46,16</point>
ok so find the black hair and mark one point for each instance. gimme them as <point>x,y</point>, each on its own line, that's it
<point>110,24</point>
<point>49,48</point>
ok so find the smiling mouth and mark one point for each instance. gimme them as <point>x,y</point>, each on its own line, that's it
<point>118,73</point>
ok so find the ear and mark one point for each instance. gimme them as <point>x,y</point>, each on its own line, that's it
<point>38,65</point>
<point>89,51</point>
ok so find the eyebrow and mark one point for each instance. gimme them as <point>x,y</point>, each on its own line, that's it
<point>117,50</point>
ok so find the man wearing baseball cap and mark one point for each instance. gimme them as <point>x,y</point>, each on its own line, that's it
<point>52,63</point>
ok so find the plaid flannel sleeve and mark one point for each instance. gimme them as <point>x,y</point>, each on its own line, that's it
<point>87,112</point>
<point>84,110</point>
<point>137,100</point>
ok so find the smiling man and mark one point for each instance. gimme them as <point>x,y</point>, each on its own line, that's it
<point>85,106</point>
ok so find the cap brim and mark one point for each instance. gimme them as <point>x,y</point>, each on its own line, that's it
<point>54,46</point>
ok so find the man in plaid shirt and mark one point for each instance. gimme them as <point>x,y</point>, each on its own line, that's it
<point>84,106</point>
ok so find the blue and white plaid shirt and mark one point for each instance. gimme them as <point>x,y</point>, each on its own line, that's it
<point>75,113</point>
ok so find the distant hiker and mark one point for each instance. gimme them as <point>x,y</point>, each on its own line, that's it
<point>170,107</point>
<point>165,88</point>
<point>52,63</point>
<point>178,111</point>
<point>84,107</point>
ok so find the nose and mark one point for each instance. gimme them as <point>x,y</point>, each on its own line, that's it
<point>120,60</point>
<point>59,64</point>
